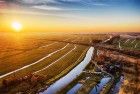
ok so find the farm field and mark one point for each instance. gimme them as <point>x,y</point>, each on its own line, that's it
<point>127,43</point>
<point>70,64</point>
<point>30,54</point>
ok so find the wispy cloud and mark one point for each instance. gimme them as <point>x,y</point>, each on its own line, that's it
<point>65,3</point>
<point>46,7</point>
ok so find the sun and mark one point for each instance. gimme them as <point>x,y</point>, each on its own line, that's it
<point>17,26</point>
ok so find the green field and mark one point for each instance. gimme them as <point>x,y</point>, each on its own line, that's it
<point>32,62</point>
<point>129,44</point>
<point>40,56</point>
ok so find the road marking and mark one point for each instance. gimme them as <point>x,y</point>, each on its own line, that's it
<point>56,60</point>
<point>33,63</point>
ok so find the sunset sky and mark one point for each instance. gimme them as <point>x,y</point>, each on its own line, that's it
<point>71,15</point>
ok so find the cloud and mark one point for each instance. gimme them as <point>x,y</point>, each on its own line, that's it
<point>63,2</point>
<point>47,7</point>
<point>59,5</point>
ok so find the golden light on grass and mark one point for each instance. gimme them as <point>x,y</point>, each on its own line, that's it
<point>16,26</point>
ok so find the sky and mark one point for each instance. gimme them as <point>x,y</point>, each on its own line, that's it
<point>71,15</point>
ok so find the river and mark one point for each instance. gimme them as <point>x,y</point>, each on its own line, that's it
<point>64,81</point>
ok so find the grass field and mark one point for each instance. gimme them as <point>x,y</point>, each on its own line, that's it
<point>26,58</point>
<point>40,56</point>
<point>130,44</point>
<point>41,64</point>
<point>61,64</point>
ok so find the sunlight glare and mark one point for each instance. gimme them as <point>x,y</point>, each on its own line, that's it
<point>16,26</point>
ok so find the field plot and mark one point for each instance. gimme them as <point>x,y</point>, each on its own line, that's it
<point>29,68</point>
<point>26,58</point>
<point>127,43</point>
<point>32,54</point>
<point>63,62</point>
<point>23,51</point>
<point>131,44</point>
